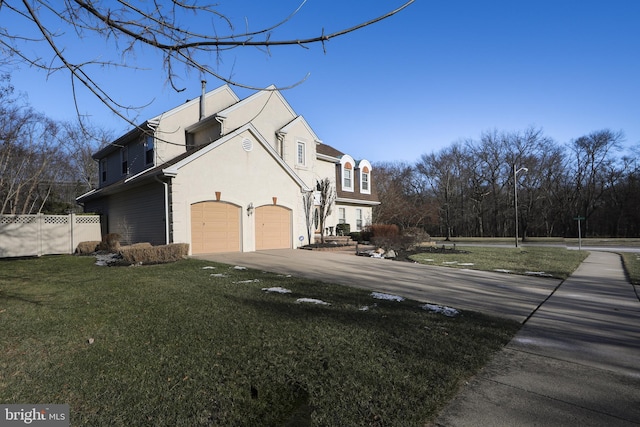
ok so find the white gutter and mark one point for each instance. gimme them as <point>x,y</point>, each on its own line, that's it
<point>327,158</point>
<point>356,201</point>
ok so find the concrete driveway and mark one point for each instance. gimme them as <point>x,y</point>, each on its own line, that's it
<point>506,295</point>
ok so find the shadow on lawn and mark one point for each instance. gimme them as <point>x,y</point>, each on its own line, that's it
<point>8,296</point>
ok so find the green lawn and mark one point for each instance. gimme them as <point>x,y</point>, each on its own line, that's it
<point>173,345</point>
<point>534,260</point>
<point>632,266</point>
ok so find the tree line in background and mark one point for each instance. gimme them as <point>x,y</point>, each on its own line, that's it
<point>469,188</point>
<point>44,164</point>
<point>466,189</point>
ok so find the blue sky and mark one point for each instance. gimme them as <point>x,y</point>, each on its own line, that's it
<point>436,73</point>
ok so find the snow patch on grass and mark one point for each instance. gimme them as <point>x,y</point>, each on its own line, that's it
<point>277,289</point>
<point>388,297</point>
<point>312,301</point>
<point>447,311</point>
<point>537,273</point>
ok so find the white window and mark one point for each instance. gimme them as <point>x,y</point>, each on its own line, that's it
<point>300,153</point>
<point>365,176</point>
<point>347,170</point>
<point>342,216</point>
<point>347,177</point>
<point>364,185</point>
<point>358,219</point>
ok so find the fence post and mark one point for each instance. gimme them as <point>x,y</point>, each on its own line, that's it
<point>40,223</point>
<point>72,226</point>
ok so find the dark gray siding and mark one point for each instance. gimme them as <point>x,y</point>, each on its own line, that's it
<point>136,214</point>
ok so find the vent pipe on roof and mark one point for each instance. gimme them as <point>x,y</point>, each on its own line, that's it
<point>204,89</point>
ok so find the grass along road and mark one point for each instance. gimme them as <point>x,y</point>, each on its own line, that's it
<point>539,261</point>
<point>197,343</point>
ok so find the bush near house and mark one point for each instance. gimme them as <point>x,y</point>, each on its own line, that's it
<point>386,236</point>
<point>147,254</point>
<point>138,253</point>
<point>343,229</point>
<point>389,236</point>
<point>110,243</point>
<point>362,236</point>
<point>89,247</point>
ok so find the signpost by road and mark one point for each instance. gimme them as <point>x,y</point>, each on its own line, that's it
<point>579,218</point>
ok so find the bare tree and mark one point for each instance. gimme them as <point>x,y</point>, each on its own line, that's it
<point>327,195</point>
<point>79,142</point>
<point>441,182</point>
<point>307,204</point>
<point>403,199</point>
<point>44,165</point>
<point>594,156</point>
<point>28,160</point>
<point>184,34</point>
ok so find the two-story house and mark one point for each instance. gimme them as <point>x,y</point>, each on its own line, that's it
<point>225,174</point>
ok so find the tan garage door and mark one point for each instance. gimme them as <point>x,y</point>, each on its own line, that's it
<point>273,227</point>
<point>215,227</point>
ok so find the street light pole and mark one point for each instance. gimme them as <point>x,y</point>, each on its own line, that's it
<point>515,195</point>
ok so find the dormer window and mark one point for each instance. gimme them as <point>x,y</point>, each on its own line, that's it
<point>365,176</point>
<point>347,167</point>
<point>347,181</point>
<point>365,180</point>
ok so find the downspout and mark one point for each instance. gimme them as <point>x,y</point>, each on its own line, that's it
<point>220,119</point>
<point>280,137</point>
<point>166,208</point>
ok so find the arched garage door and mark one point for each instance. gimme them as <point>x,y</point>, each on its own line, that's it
<point>273,227</point>
<point>215,227</point>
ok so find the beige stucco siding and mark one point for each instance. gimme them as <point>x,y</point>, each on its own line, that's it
<point>170,133</point>
<point>240,177</point>
<point>267,111</point>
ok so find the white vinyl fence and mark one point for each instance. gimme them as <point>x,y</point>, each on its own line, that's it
<point>35,235</point>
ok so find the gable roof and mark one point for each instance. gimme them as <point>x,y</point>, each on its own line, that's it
<point>150,124</point>
<point>268,91</point>
<point>328,150</point>
<point>173,169</point>
<point>300,119</point>
<point>196,100</point>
